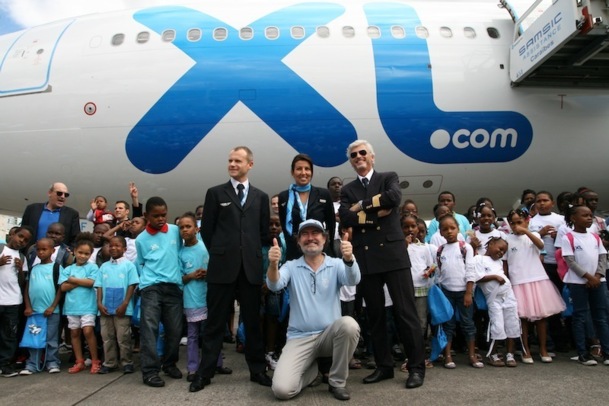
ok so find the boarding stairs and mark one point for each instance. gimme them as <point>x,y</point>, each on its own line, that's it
<point>567,45</point>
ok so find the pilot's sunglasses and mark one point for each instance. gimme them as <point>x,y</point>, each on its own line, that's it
<point>362,152</point>
<point>59,194</point>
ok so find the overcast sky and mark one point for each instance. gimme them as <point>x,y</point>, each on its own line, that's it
<point>18,14</point>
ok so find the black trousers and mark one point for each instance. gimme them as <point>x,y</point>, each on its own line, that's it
<point>220,299</point>
<point>401,289</point>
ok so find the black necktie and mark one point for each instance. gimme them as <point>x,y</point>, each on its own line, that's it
<point>240,188</point>
<point>365,183</point>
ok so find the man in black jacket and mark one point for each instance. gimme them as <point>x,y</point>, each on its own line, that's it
<point>370,206</point>
<point>40,215</point>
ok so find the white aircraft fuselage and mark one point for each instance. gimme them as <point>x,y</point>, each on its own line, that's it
<point>160,95</point>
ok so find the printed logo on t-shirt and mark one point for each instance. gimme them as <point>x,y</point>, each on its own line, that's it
<point>578,248</point>
<point>154,247</point>
<point>514,249</point>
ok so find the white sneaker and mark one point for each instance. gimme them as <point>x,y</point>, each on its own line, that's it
<point>54,370</point>
<point>25,372</point>
<point>184,341</point>
<point>270,360</point>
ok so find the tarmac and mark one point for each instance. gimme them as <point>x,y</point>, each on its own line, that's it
<point>563,382</point>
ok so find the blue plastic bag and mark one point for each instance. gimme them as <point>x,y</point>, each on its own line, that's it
<point>137,311</point>
<point>35,334</point>
<point>479,299</point>
<point>438,343</point>
<point>439,307</point>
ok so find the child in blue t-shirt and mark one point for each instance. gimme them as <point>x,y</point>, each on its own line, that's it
<point>42,296</point>
<point>115,284</point>
<point>194,259</point>
<point>160,286</point>
<point>81,302</point>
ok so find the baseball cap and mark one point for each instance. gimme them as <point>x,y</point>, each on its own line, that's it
<point>310,223</point>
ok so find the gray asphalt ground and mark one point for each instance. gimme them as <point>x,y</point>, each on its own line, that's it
<point>564,382</point>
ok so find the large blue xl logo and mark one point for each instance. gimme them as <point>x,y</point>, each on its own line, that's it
<point>231,71</point>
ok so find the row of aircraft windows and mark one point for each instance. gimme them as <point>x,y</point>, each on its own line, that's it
<point>297,32</point>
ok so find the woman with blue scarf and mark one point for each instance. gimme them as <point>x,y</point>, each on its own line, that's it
<point>301,202</point>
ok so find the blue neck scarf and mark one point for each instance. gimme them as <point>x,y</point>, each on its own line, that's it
<point>293,191</point>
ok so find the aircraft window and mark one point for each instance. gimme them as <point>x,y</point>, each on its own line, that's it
<point>374,32</point>
<point>493,32</point>
<point>168,35</point>
<point>220,34</point>
<point>143,37</point>
<point>421,32</point>
<point>323,31</point>
<point>348,31</point>
<point>446,32</point>
<point>118,39</point>
<point>398,32</point>
<point>469,32</point>
<point>297,32</point>
<point>271,32</point>
<point>246,33</point>
<point>194,34</point>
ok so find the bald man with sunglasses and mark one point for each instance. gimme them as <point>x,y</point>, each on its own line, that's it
<point>40,215</point>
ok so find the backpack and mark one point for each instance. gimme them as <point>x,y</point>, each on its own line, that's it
<point>561,265</point>
<point>439,253</point>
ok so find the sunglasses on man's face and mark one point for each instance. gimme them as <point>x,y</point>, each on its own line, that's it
<point>59,194</point>
<point>362,152</point>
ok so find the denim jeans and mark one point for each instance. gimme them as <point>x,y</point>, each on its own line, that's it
<point>9,320</point>
<point>160,303</point>
<point>466,316</point>
<point>51,356</point>
<point>592,300</point>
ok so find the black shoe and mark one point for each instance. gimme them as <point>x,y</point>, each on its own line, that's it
<point>173,372</point>
<point>198,383</point>
<point>339,393</point>
<point>415,379</point>
<point>378,375</point>
<point>224,371</point>
<point>106,370</point>
<point>155,381</point>
<point>261,378</point>
<point>191,377</point>
<point>229,339</point>
<point>8,372</point>
<point>128,369</point>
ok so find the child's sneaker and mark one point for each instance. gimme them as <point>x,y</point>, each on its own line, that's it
<point>495,360</point>
<point>95,366</point>
<point>8,372</point>
<point>25,372</point>
<point>605,359</point>
<point>586,359</point>
<point>510,361</point>
<point>79,366</point>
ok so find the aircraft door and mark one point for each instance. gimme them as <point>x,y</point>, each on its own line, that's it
<point>26,64</point>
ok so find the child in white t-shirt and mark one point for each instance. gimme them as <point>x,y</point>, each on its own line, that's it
<point>586,257</point>
<point>537,296</point>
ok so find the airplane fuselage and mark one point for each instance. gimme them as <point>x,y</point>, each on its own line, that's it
<point>160,95</point>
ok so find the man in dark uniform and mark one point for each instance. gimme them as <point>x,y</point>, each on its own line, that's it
<point>234,228</point>
<point>370,206</point>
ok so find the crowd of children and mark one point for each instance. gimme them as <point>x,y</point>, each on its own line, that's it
<point>92,287</point>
